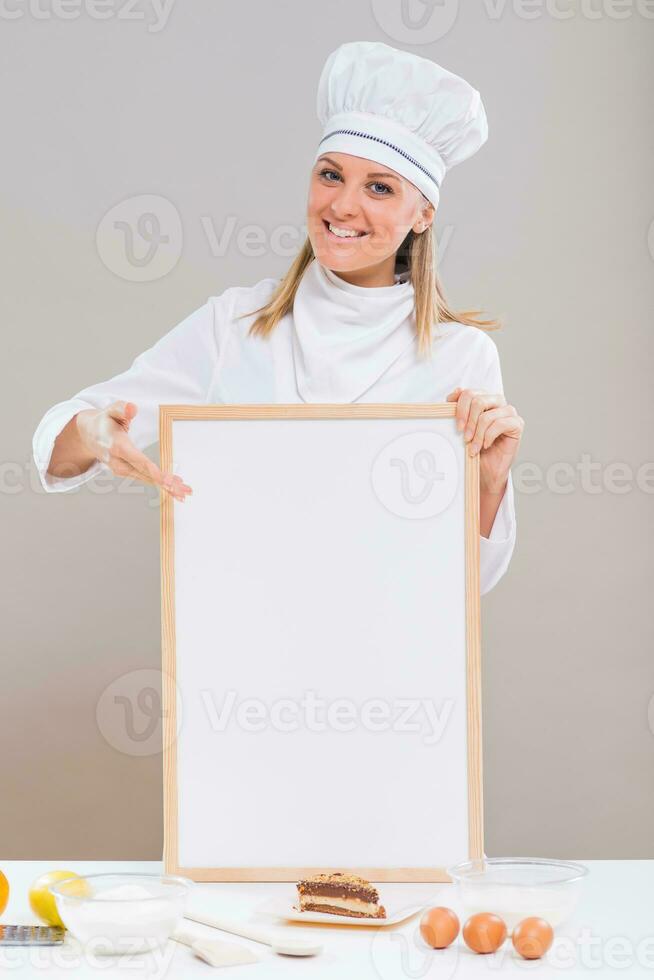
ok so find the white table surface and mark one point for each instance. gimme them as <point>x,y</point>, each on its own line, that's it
<point>611,934</point>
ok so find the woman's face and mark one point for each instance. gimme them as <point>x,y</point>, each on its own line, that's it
<point>352,194</point>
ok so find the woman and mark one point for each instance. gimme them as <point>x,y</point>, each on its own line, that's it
<point>359,316</point>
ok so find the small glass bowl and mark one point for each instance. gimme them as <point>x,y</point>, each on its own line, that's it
<point>121,913</point>
<point>515,888</point>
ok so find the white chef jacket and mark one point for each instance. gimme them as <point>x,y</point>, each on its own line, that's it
<point>340,343</point>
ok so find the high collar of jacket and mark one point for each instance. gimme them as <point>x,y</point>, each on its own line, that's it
<point>345,337</point>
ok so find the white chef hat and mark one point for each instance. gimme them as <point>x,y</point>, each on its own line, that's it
<point>401,110</point>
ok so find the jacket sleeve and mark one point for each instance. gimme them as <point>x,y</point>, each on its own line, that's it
<point>177,369</point>
<point>496,550</point>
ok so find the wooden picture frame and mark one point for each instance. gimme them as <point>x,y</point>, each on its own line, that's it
<point>169,416</point>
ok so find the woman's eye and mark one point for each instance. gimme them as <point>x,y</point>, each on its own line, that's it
<point>380,189</point>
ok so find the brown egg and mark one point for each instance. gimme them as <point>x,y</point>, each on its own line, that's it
<point>484,932</point>
<point>532,937</point>
<point>439,927</point>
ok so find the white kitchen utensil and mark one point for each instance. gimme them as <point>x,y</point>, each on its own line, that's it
<point>215,951</point>
<point>280,942</point>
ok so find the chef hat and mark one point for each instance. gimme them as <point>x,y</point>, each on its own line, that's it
<point>399,109</point>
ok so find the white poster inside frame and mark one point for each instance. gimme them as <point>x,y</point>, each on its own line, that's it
<point>321,642</point>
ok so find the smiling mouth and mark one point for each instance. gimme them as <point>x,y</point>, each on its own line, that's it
<point>344,238</point>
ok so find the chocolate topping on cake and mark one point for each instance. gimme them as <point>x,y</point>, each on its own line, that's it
<point>316,890</point>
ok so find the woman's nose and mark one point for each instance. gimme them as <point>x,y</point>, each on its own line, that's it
<point>345,204</point>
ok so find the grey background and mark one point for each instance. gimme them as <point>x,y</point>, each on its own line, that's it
<point>547,227</point>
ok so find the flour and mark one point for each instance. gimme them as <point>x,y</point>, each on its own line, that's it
<point>126,918</point>
<point>514,903</point>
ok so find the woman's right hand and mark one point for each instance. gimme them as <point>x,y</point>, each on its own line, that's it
<point>104,435</point>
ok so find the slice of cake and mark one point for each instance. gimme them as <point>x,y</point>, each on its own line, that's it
<point>340,893</point>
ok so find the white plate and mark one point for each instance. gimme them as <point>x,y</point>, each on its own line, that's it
<point>278,908</point>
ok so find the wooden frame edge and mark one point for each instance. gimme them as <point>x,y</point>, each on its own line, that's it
<point>168,659</point>
<point>170,413</point>
<point>473,659</point>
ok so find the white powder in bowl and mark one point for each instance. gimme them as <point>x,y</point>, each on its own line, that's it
<point>123,919</point>
<point>515,902</point>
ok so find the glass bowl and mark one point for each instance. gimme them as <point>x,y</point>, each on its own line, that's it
<point>515,888</point>
<point>121,913</point>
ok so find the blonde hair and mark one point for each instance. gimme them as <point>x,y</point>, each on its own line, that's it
<point>417,254</point>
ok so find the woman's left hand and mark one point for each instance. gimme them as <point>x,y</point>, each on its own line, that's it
<point>491,428</point>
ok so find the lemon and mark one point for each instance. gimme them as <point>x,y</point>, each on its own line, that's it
<point>42,901</point>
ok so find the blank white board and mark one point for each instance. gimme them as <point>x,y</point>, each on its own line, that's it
<point>320,642</point>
